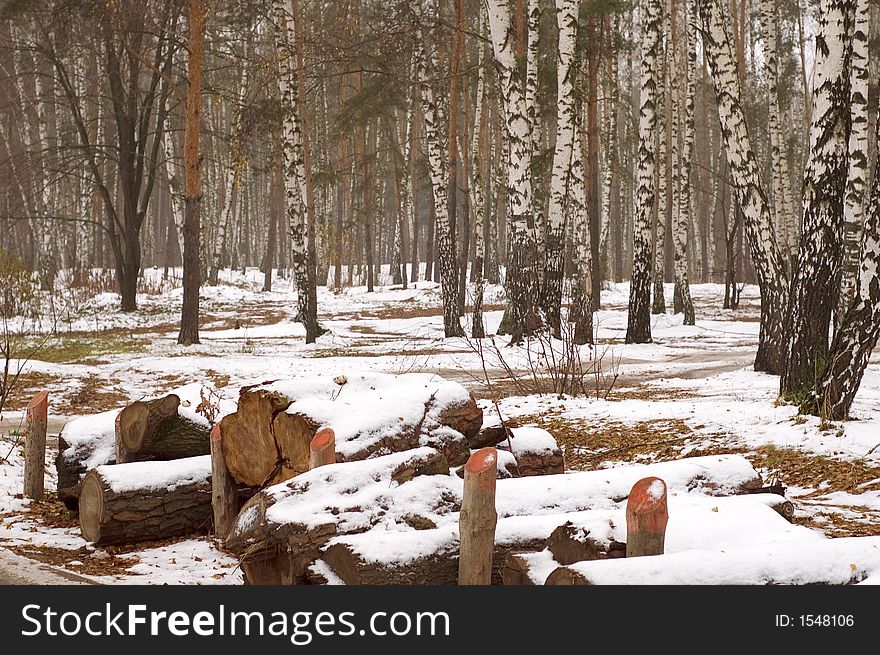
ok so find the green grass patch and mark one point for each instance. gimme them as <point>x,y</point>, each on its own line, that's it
<point>77,349</point>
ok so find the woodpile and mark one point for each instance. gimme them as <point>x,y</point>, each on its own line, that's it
<point>145,501</point>
<point>394,519</point>
<point>266,441</point>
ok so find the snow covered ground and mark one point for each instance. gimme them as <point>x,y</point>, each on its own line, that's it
<point>692,391</point>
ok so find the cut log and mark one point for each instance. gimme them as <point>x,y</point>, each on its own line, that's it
<point>646,518</point>
<point>225,501</point>
<point>570,544</point>
<point>536,452</point>
<point>156,430</point>
<point>84,443</point>
<point>35,446</point>
<point>410,558</point>
<point>145,501</point>
<point>267,440</point>
<point>515,570</point>
<point>478,518</point>
<point>322,450</point>
<point>815,561</point>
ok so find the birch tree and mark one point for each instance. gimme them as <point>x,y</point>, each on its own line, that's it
<point>783,209</point>
<point>551,297</point>
<point>437,163</point>
<point>855,339</point>
<point>857,171</point>
<point>521,280</point>
<point>293,164</point>
<point>813,285</point>
<point>683,212</point>
<point>478,201</point>
<point>638,329</point>
<point>743,170</point>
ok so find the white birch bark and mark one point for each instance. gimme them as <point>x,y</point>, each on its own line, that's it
<point>743,168</point>
<point>551,297</point>
<point>813,287</point>
<point>855,339</point>
<point>293,164</point>
<point>662,167</point>
<point>639,319</point>
<point>581,313</point>
<point>478,204</point>
<point>234,172</point>
<point>684,210</point>
<point>521,278</point>
<point>857,174</point>
<point>533,20</point>
<point>782,203</point>
<point>437,161</point>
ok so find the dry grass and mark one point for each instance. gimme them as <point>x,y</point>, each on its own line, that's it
<point>92,396</point>
<point>28,384</point>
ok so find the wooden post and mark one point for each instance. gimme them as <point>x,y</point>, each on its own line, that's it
<point>646,518</point>
<point>477,520</point>
<point>224,498</point>
<point>35,445</point>
<point>322,450</point>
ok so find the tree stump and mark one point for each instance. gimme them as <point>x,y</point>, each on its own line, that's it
<point>322,449</point>
<point>478,518</point>
<point>35,446</point>
<point>646,518</point>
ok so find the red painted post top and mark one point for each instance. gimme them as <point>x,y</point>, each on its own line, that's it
<point>647,503</point>
<point>483,464</point>
<point>215,433</point>
<point>38,407</point>
<point>322,439</point>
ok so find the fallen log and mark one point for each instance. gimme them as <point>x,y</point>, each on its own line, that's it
<point>821,561</point>
<point>84,443</point>
<point>145,501</point>
<point>159,429</point>
<point>265,529</point>
<point>266,441</point>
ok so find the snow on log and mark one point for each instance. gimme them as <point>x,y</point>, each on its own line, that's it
<point>84,443</point>
<point>145,501</point>
<point>823,561</point>
<point>279,531</point>
<point>372,414</point>
<point>160,429</point>
<point>299,517</point>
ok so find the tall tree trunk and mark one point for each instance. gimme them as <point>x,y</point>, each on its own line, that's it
<point>857,335</point>
<point>533,111</point>
<point>294,166</point>
<point>189,320</point>
<point>685,194</point>
<point>521,279</point>
<point>857,173</point>
<point>478,201</point>
<point>638,329</point>
<point>782,202</point>
<point>566,111</point>
<point>439,181</point>
<point>743,169</point>
<point>661,204</point>
<point>813,285</point>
